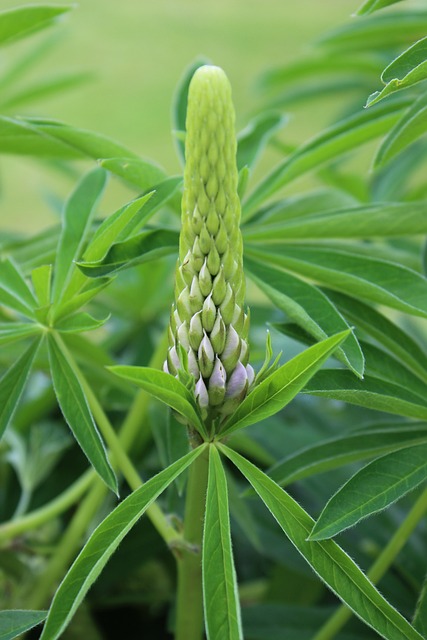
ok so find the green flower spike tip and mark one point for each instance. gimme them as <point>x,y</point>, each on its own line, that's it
<point>208,317</point>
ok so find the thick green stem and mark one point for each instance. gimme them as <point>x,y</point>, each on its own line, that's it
<point>189,612</point>
<point>380,566</point>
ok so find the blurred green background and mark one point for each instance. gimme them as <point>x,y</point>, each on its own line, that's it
<point>137,51</point>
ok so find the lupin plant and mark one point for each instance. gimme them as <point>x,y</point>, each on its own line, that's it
<point>330,260</point>
<point>208,319</point>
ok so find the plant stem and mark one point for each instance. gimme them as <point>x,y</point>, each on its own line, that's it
<point>380,566</point>
<point>189,615</point>
<point>52,509</point>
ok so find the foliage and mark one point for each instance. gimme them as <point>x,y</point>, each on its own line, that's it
<point>336,269</point>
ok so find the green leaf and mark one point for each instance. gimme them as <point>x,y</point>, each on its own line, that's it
<point>374,5</point>
<point>276,391</point>
<point>22,21</point>
<point>14,291</point>
<point>75,409</point>
<point>388,334</point>
<point>12,384</point>
<point>102,544</point>
<point>165,388</point>
<point>332,143</point>
<point>370,392</point>
<point>254,137</point>
<point>146,246</point>
<point>379,32</point>
<point>78,214</point>
<point>404,71</point>
<point>179,108</point>
<point>220,597</point>
<point>380,281</point>
<point>308,307</point>
<point>13,331</point>
<point>386,219</point>
<point>80,322</point>
<point>42,278</point>
<point>77,301</point>
<point>372,489</point>
<point>140,173</point>
<point>43,88</point>
<point>359,445</point>
<point>408,129</point>
<point>15,622</point>
<point>327,559</point>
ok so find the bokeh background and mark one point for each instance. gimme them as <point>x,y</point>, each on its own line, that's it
<point>136,52</point>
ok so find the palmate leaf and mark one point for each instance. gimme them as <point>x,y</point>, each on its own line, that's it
<point>14,291</point>
<point>359,445</point>
<point>308,307</point>
<point>380,281</point>
<point>276,391</point>
<point>326,558</point>
<point>140,173</point>
<point>13,382</point>
<point>145,246</point>
<point>14,331</point>
<point>220,597</point>
<point>371,392</point>
<point>386,219</point>
<point>88,292</point>
<point>372,489</point>
<point>15,622</point>
<point>22,21</point>
<point>404,71</point>
<point>78,215</point>
<point>102,544</point>
<point>165,388</point>
<point>409,128</point>
<point>388,334</point>
<point>341,138</point>
<point>75,409</point>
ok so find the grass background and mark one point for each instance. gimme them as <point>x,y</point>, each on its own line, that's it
<point>137,52</point>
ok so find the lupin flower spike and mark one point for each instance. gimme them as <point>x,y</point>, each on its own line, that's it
<point>208,317</point>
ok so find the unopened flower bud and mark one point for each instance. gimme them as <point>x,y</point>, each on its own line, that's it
<point>208,313</point>
<point>197,255</point>
<point>205,279</point>
<point>237,382</point>
<point>227,305</point>
<point>182,335</point>
<point>212,221</point>
<point>195,297</point>
<point>173,361</point>
<point>214,261</point>
<point>218,334</point>
<point>221,239</point>
<point>230,355</point>
<point>206,357</point>
<point>205,240</point>
<point>183,303</point>
<point>165,366</point>
<point>219,288</point>
<point>196,221</point>
<point>201,393</point>
<point>187,268</point>
<point>193,367</point>
<point>217,383</point>
<point>238,318</point>
<point>195,332</point>
<point>244,352</point>
<point>251,374</point>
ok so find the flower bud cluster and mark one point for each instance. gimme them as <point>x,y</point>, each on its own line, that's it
<point>208,317</point>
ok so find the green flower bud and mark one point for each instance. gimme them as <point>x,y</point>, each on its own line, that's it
<point>209,320</point>
<point>208,313</point>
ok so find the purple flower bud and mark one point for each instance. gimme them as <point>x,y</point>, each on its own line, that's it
<point>238,382</point>
<point>217,383</point>
<point>173,361</point>
<point>165,366</point>
<point>251,374</point>
<point>244,352</point>
<point>201,393</point>
<point>206,357</point>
